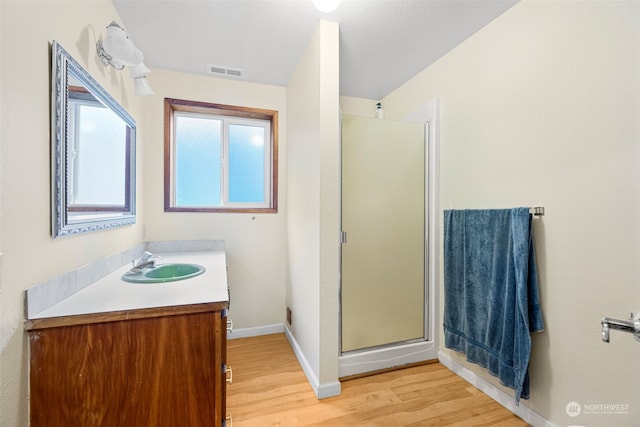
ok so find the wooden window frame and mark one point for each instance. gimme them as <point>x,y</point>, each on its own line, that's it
<point>172,105</point>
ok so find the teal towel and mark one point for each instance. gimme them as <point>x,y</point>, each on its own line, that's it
<point>491,301</point>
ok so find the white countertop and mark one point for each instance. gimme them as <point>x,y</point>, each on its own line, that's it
<point>111,293</point>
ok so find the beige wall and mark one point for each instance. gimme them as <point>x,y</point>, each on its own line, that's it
<point>313,205</point>
<point>357,106</point>
<point>542,107</point>
<point>30,256</point>
<point>303,205</point>
<point>329,207</point>
<point>255,243</point>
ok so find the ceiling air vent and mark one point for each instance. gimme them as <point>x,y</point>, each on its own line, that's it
<point>226,71</point>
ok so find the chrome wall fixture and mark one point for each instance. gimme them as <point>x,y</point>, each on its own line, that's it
<point>632,326</point>
<point>117,49</point>
<point>537,210</point>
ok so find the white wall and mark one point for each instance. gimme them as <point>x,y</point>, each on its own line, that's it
<point>30,256</point>
<point>255,243</point>
<point>313,209</point>
<point>542,107</point>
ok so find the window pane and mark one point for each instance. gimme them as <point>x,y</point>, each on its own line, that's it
<point>221,158</point>
<point>246,163</point>
<point>197,161</point>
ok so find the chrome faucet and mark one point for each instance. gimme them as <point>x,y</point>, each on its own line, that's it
<point>148,260</point>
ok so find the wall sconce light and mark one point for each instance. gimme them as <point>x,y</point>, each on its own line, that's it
<point>326,6</point>
<point>117,49</point>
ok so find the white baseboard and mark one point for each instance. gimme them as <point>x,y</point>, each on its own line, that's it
<point>321,390</point>
<point>383,358</point>
<point>255,332</point>
<point>503,398</point>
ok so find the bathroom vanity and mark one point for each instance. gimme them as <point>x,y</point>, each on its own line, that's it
<point>134,354</point>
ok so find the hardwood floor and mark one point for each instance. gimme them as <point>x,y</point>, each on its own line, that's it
<point>270,389</point>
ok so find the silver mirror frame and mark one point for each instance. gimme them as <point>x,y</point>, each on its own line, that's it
<point>62,224</point>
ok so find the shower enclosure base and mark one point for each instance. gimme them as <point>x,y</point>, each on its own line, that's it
<point>371,360</point>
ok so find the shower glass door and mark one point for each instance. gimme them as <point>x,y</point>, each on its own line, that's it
<point>383,223</point>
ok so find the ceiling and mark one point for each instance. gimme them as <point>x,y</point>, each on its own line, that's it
<point>383,43</point>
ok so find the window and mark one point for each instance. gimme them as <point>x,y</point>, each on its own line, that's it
<point>97,154</point>
<point>220,158</point>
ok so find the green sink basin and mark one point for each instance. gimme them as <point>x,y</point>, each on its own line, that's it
<point>165,273</point>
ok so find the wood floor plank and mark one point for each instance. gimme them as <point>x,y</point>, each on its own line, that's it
<point>270,389</point>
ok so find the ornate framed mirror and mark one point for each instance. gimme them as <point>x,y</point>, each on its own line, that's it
<point>93,146</point>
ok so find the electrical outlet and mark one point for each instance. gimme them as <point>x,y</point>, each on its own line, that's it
<point>288,315</point>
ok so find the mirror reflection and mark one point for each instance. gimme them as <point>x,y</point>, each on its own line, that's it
<point>93,149</point>
<point>96,151</point>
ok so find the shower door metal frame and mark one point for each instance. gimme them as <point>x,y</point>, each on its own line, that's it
<point>425,348</point>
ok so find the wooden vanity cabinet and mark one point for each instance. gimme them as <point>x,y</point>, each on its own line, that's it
<point>141,368</point>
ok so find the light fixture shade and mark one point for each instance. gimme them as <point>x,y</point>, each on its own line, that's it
<point>326,6</point>
<point>139,70</point>
<point>118,44</point>
<point>141,86</point>
<point>117,50</point>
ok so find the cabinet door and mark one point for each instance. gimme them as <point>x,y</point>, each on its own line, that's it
<point>161,372</point>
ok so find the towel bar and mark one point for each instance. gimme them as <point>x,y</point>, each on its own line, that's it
<point>632,325</point>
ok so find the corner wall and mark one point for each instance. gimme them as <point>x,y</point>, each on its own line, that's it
<point>313,208</point>
<point>542,108</point>
<point>30,255</point>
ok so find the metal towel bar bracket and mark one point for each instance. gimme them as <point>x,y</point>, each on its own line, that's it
<point>537,211</point>
<point>632,325</point>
